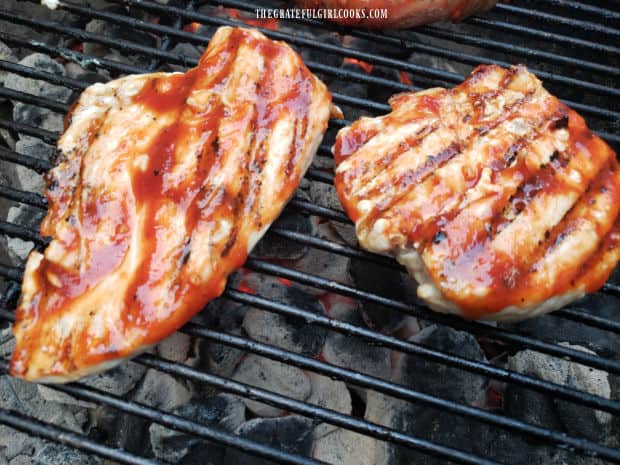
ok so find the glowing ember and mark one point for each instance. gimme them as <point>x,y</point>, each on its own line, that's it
<point>367,67</point>
<point>192,27</point>
<point>285,281</point>
<point>405,79</point>
<point>269,23</point>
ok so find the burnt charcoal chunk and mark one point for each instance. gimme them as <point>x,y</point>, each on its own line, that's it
<point>557,329</point>
<point>57,454</point>
<point>377,279</point>
<point>438,379</point>
<point>551,412</point>
<point>274,246</point>
<point>286,331</point>
<point>291,434</point>
<point>223,412</point>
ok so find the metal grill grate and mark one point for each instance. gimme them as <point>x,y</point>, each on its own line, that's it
<point>573,48</point>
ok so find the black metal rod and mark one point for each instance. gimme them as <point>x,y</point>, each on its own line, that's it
<point>30,198</point>
<point>595,46</point>
<point>36,100</point>
<point>514,49</point>
<point>203,39</point>
<point>437,51</point>
<point>578,7</point>
<point>477,328</point>
<point>364,103</point>
<point>54,433</point>
<point>538,15</point>
<point>437,356</point>
<point>36,164</point>
<point>39,201</point>
<point>176,422</point>
<point>402,392</point>
<point>327,415</point>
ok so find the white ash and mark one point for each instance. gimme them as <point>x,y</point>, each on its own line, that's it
<point>25,398</point>
<point>432,378</point>
<point>575,419</point>
<point>291,434</point>
<point>162,390</point>
<point>26,216</point>
<point>36,87</point>
<point>329,394</point>
<point>51,4</point>
<point>325,195</point>
<point>219,359</point>
<point>119,380</point>
<point>274,376</point>
<point>101,27</point>
<point>326,265</point>
<point>341,446</point>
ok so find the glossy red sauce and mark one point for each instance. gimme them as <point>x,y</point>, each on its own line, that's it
<point>154,189</point>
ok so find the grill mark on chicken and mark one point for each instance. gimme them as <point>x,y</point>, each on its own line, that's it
<point>461,145</point>
<point>422,232</point>
<point>174,185</point>
<point>512,238</point>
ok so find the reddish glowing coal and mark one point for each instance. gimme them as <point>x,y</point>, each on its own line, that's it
<point>405,78</point>
<point>285,281</point>
<point>366,67</point>
<point>192,27</point>
<point>269,23</point>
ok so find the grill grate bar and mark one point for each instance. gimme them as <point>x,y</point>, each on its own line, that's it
<point>36,164</point>
<point>401,392</point>
<point>403,43</point>
<point>586,26</point>
<point>437,51</point>
<point>518,50</point>
<point>579,6</point>
<point>479,329</point>
<point>371,382</point>
<point>302,408</point>
<point>175,422</point>
<point>564,392</point>
<point>54,433</point>
<point>362,103</point>
<point>40,201</point>
<point>329,416</point>
<point>544,35</point>
<point>202,40</point>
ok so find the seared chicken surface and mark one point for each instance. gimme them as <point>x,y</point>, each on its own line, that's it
<point>164,184</point>
<point>401,13</point>
<point>494,195</point>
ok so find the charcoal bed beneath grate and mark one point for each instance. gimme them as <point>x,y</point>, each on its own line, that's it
<point>318,352</point>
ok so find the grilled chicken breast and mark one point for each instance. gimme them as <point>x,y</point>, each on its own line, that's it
<point>400,13</point>
<point>164,184</point>
<point>494,195</point>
